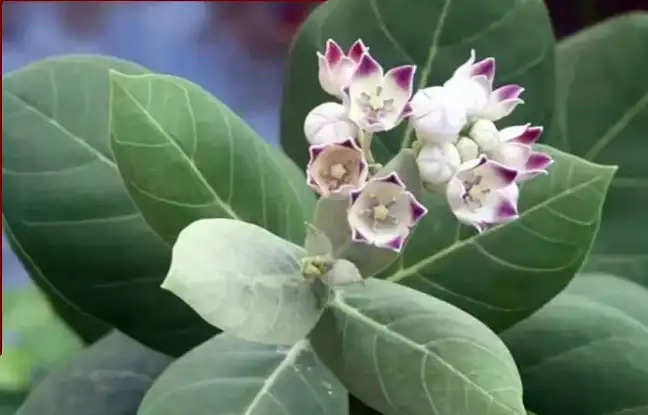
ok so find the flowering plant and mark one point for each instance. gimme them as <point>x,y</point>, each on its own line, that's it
<point>406,262</point>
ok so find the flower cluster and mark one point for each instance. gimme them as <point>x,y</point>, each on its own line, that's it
<point>460,151</point>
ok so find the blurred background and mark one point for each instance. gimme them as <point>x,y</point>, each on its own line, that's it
<point>236,50</point>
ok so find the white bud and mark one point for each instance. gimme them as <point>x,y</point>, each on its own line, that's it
<point>468,149</point>
<point>485,133</point>
<point>328,123</point>
<point>437,116</point>
<point>437,163</point>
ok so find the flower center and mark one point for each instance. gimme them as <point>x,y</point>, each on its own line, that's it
<point>375,106</point>
<point>475,192</point>
<point>380,212</point>
<point>337,171</point>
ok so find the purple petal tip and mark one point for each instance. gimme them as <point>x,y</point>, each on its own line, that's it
<point>396,244</point>
<point>404,76</point>
<point>539,161</point>
<point>418,211</point>
<point>508,175</point>
<point>333,52</point>
<point>367,66</point>
<point>530,136</point>
<point>508,92</point>
<point>485,67</point>
<point>358,237</point>
<point>357,50</point>
<point>394,179</point>
<point>507,210</point>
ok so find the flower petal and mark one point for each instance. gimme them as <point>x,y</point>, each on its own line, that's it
<point>398,87</point>
<point>530,136</point>
<point>513,132</point>
<point>507,92</point>
<point>496,175</point>
<point>465,68</point>
<point>498,110</point>
<point>333,53</point>
<point>357,50</point>
<point>485,67</point>
<point>537,164</point>
<point>513,155</point>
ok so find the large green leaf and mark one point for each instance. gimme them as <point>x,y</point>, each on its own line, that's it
<point>185,156</point>
<point>602,108</point>
<point>504,274</point>
<point>109,378</point>
<point>404,352</point>
<point>435,35</point>
<point>245,280</point>
<point>67,212</point>
<point>226,375</point>
<point>34,339</point>
<point>585,352</point>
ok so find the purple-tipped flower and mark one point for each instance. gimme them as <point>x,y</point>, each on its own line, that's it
<point>512,147</point>
<point>378,101</point>
<point>483,193</point>
<point>472,84</point>
<point>383,213</point>
<point>337,67</point>
<point>336,168</point>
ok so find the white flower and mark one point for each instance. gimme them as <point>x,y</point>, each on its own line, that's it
<point>472,84</point>
<point>336,67</point>
<point>383,213</point>
<point>485,134</point>
<point>468,149</point>
<point>437,163</point>
<point>512,147</point>
<point>336,168</point>
<point>483,193</point>
<point>329,123</point>
<point>378,101</point>
<point>437,115</point>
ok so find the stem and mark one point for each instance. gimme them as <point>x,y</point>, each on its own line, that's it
<point>365,144</point>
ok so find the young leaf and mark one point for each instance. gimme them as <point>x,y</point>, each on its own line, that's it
<point>185,156</point>
<point>226,375</point>
<point>244,280</point>
<point>109,378</point>
<point>434,35</point>
<point>602,115</point>
<point>404,352</point>
<point>583,354</point>
<point>504,274</point>
<point>67,213</point>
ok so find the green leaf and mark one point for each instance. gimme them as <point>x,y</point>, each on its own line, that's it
<point>434,35</point>
<point>67,212</point>
<point>404,352</point>
<point>28,319</point>
<point>602,107</point>
<point>226,375</point>
<point>185,156</point>
<point>244,280</point>
<point>505,274</point>
<point>585,354</point>
<point>109,378</point>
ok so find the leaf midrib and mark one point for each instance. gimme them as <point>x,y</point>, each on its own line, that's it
<point>413,269</point>
<point>225,206</point>
<point>347,309</point>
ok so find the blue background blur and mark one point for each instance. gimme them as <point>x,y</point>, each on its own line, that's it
<point>236,51</point>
